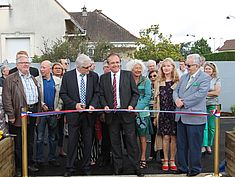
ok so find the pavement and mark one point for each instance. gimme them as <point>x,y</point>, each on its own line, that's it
<point>154,167</point>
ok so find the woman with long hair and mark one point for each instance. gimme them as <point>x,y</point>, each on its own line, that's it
<point>164,86</point>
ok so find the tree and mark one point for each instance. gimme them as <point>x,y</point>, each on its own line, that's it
<point>102,48</point>
<point>153,45</point>
<point>201,47</point>
<point>69,48</point>
<point>185,48</point>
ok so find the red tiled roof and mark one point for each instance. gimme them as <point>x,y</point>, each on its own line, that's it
<point>100,27</point>
<point>228,45</point>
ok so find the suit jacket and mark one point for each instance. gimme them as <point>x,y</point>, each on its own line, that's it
<point>69,93</point>
<point>128,94</point>
<point>194,97</point>
<point>33,71</point>
<point>14,97</point>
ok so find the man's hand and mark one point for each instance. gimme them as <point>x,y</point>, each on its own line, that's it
<point>106,108</point>
<point>91,107</point>
<point>11,119</point>
<point>79,106</point>
<point>45,108</point>
<point>179,103</point>
<point>130,108</point>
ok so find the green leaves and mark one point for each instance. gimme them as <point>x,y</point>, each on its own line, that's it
<point>153,45</point>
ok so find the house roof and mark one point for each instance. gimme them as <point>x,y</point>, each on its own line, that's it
<point>228,45</point>
<point>100,27</point>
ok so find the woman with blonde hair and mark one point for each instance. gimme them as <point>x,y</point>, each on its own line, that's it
<point>211,102</point>
<point>143,122</point>
<point>164,86</point>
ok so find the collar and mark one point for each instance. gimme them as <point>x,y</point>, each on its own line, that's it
<point>117,74</point>
<point>28,75</point>
<point>194,75</point>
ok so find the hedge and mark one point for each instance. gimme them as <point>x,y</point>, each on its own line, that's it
<point>221,56</point>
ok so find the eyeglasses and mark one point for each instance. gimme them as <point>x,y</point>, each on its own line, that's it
<point>24,63</point>
<point>87,67</point>
<point>190,65</point>
<point>153,76</point>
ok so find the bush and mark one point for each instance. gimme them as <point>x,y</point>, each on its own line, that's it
<point>221,56</point>
<point>233,109</point>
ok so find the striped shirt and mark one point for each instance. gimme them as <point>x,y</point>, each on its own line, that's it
<point>30,89</point>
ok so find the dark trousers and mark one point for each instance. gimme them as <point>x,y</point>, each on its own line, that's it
<point>61,131</point>
<point>106,143</point>
<point>115,127</point>
<point>189,143</point>
<point>18,142</point>
<point>87,129</point>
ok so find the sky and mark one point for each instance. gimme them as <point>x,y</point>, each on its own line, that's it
<point>201,18</point>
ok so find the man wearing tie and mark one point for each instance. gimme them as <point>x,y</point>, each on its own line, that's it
<point>119,91</point>
<point>79,90</point>
<point>190,95</point>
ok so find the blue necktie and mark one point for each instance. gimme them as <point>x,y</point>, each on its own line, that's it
<point>82,90</point>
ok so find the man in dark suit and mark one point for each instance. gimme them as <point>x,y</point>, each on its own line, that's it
<point>190,95</point>
<point>79,90</point>
<point>118,90</point>
<point>33,71</point>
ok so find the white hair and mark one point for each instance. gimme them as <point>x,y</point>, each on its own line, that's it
<point>196,58</point>
<point>151,62</point>
<point>82,60</point>
<point>131,64</point>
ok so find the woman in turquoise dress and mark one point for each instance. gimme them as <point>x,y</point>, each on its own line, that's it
<point>143,121</point>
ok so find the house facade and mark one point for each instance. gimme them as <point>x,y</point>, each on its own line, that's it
<point>27,24</point>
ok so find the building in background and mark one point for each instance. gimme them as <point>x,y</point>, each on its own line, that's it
<point>25,25</point>
<point>99,27</point>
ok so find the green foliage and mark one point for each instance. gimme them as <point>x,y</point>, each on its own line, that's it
<point>102,48</point>
<point>69,48</point>
<point>185,48</point>
<point>201,47</point>
<point>221,56</point>
<point>149,48</point>
<point>233,109</point>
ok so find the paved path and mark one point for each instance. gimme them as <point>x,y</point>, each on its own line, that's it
<point>154,167</point>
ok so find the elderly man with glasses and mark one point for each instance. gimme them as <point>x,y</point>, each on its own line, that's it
<point>190,96</point>
<point>20,90</point>
<point>79,90</point>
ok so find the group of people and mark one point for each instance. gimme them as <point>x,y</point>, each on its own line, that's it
<point>164,88</point>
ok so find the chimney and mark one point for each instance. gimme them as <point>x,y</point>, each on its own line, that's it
<point>84,12</point>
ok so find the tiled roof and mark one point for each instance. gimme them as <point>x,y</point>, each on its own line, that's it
<point>228,45</point>
<point>100,27</point>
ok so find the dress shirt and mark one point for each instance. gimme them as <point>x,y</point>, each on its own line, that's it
<point>30,89</point>
<point>117,86</point>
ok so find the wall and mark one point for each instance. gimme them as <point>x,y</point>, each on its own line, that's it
<point>226,73</point>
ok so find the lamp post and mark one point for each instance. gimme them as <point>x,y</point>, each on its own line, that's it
<point>230,17</point>
<point>192,35</point>
<point>213,43</point>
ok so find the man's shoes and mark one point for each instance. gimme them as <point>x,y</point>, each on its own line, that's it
<point>180,172</point>
<point>54,163</point>
<point>32,168</point>
<point>139,173</point>
<point>118,171</point>
<point>18,173</point>
<point>67,174</point>
<point>193,173</point>
<point>86,172</point>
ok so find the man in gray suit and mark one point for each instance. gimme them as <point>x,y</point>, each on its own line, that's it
<point>190,95</point>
